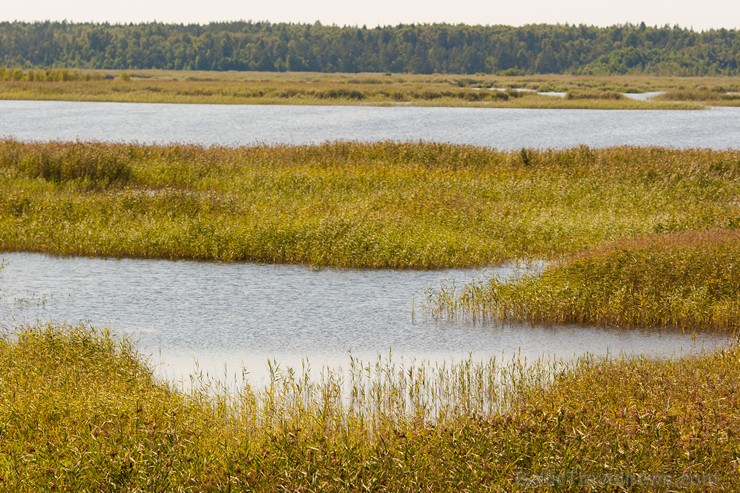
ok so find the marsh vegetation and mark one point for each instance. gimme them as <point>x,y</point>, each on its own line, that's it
<point>81,410</point>
<point>391,205</point>
<point>156,86</point>
<point>636,237</point>
<point>685,280</point>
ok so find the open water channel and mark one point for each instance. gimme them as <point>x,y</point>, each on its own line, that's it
<point>717,128</point>
<point>197,315</point>
<point>222,317</point>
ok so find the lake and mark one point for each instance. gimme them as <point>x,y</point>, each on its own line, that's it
<point>196,315</point>
<point>717,128</point>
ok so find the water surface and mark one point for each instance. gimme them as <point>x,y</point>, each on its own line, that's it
<point>241,315</point>
<point>643,96</point>
<point>232,125</point>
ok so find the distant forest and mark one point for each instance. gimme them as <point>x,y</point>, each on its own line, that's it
<point>434,48</point>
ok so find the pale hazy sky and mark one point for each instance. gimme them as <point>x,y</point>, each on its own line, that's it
<point>699,15</point>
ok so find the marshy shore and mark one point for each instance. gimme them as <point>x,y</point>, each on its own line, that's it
<point>369,89</point>
<point>636,237</point>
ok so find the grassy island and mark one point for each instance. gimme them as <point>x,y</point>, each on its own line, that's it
<point>309,88</point>
<point>383,205</point>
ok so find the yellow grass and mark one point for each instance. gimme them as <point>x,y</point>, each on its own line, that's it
<point>688,280</point>
<point>155,86</point>
<point>397,205</point>
<point>80,411</point>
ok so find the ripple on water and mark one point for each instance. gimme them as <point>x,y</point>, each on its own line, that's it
<point>237,315</point>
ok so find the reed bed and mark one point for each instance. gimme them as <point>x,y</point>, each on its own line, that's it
<point>346,204</point>
<point>80,410</point>
<point>688,280</point>
<point>156,86</point>
<point>597,95</point>
<point>716,97</point>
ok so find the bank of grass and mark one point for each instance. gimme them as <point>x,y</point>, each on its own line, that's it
<point>156,86</point>
<point>703,95</point>
<point>81,411</point>
<point>595,95</point>
<point>688,280</point>
<point>391,205</point>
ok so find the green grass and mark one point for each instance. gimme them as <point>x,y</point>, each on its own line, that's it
<point>391,205</point>
<point>688,280</point>
<point>158,86</point>
<point>81,411</point>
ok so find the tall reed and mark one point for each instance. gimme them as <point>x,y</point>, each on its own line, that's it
<point>81,411</point>
<point>390,204</point>
<point>688,280</point>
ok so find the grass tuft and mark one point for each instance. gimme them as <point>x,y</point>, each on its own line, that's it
<point>88,165</point>
<point>688,280</point>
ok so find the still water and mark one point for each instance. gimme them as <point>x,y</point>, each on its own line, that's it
<point>196,315</point>
<point>717,128</point>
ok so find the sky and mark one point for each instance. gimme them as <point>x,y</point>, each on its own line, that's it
<point>699,15</point>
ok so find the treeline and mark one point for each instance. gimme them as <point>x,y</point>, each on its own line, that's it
<point>441,48</point>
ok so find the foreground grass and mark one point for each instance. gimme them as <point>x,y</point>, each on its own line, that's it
<point>80,411</point>
<point>156,86</point>
<point>688,280</point>
<point>387,204</point>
